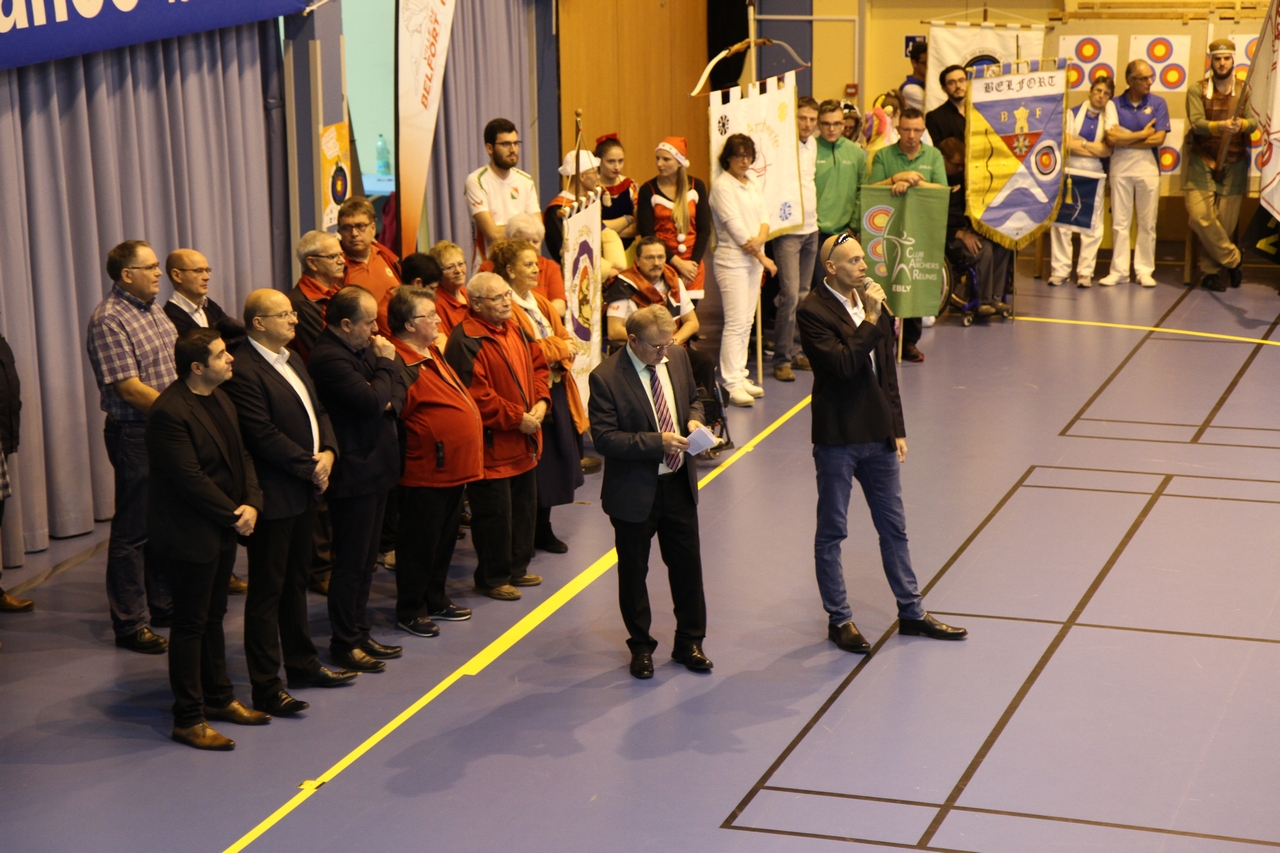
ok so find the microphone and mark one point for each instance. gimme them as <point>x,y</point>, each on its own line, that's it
<point>862,295</point>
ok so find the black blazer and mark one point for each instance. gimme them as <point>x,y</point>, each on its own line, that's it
<point>232,331</point>
<point>198,476</point>
<point>355,389</point>
<point>10,399</point>
<point>851,404</point>
<point>276,429</point>
<point>625,432</point>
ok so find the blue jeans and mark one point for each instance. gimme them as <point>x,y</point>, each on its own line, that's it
<point>795,255</point>
<point>875,467</point>
<point>136,581</point>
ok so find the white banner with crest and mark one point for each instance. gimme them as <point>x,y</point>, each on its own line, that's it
<point>581,266</point>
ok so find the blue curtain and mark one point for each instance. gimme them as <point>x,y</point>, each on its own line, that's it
<point>177,142</point>
<point>486,76</point>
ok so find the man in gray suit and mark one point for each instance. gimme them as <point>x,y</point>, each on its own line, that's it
<point>643,405</point>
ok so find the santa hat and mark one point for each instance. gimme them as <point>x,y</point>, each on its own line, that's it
<point>585,160</point>
<point>677,147</point>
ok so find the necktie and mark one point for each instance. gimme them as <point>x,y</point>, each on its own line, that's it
<point>665,422</point>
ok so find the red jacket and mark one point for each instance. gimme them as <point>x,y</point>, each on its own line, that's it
<point>452,310</point>
<point>380,275</point>
<point>507,375</point>
<point>444,436</point>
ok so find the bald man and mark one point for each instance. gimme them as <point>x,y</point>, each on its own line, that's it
<point>288,434</point>
<point>191,308</point>
<point>858,434</point>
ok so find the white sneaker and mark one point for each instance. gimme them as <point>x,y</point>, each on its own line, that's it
<point>928,322</point>
<point>1146,280</point>
<point>740,397</point>
<point>1057,282</point>
<point>1084,281</point>
<point>1111,279</point>
<point>753,389</point>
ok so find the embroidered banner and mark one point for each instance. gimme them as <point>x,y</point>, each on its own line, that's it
<point>1264,105</point>
<point>769,118</point>
<point>905,237</point>
<point>581,265</point>
<point>1082,201</point>
<point>976,46</point>
<point>1013,149</point>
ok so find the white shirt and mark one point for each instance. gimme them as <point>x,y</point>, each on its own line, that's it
<point>196,311</point>
<point>664,378</point>
<point>857,312</point>
<point>501,198</point>
<point>280,361</point>
<point>738,212</point>
<point>809,184</point>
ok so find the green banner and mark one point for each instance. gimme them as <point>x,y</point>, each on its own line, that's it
<point>904,237</point>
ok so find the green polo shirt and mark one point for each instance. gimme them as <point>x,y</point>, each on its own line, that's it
<point>840,167</point>
<point>889,161</point>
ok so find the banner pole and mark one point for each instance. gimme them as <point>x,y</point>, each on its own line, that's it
<point>751,36</point>
<point>901,333</point>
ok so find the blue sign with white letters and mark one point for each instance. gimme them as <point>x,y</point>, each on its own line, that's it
<point>39,30</point>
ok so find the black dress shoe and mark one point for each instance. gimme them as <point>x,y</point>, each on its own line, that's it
<point>1212,282</point>
<point>549,543</point>
<point>161,621</point>
<point>280,705</point>
<point>324,677</point>
<point>420,626</point>
<point>691,656</point>
<point>642,665</point>
<point>144,641</point>
<point>849,638</point>
<point>374,649</point>
<point>930,627</point>
<point>1236,274</point>
<point>357,660</point>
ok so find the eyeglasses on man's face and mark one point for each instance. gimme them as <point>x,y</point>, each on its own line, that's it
<point>501,297</point>
<point>196,270</point>
<point>352,227</point>
<point>293,314</point>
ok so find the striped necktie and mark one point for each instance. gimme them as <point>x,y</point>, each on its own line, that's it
<point>665,421</point>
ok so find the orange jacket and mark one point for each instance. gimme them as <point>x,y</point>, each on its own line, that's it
<point>444,435</point>
<point>557,348</point>
<point>452,309</point>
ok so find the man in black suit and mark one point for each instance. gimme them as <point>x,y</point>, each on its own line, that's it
<point>291,441</point>
<point>858,433</point>
<point>191,307</point>
<point>358,378</point>
<point>643,399</point>
<point>203,494</point>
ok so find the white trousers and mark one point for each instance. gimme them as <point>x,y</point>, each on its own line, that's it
<point>739,281</point>
<point>1060,240</point>
<point>1130,197</point>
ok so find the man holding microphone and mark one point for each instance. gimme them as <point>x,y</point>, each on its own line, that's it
<point>858,433</point>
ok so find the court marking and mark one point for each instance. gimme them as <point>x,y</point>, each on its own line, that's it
<point>1151,329</point>
<point>491,652</point>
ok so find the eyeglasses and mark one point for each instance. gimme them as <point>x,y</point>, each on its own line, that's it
<point>197,270</point>
<point>460,266</point>
<point>332,257</point>
<point>293,314</point>
<point>843,238</point>
<point>659,348</point>
<point>501,297</point>
<point>831,124</point>
<point>1146,79</point>
<point>149,268</point>
<point>432,317</point>
<point>349,227</point>
<point>515,144</point>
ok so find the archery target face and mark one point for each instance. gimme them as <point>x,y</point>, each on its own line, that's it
<point>1168,57</point>
<point>1088,57</point>
<point>1170,154</point>
<point>1246,46</point>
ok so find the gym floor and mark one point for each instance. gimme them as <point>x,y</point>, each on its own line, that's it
<point>1099,506</point>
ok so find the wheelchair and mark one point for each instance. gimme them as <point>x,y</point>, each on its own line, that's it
<point>960,291</point>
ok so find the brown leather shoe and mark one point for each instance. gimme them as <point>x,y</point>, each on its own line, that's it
<point>319,585</point>
<point>800,362</point>
<point>202,736</point>
<point>237,713</point>
<point>237,586</point>
<point>526,580</point>
<point>9,604</point>
<point>506,592</point>
<point>783,373</point>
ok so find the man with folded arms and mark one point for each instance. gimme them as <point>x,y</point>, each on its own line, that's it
<point>358,380</point>
<point>204,493</point>
<point>643,406</point>
<point>443,451</point>
<point>288,434</point>
<point>858,434</point>
<point>508,378</point>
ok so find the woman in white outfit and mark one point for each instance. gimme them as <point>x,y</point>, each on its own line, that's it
<point>742,229</point>
<point>1088,123</point>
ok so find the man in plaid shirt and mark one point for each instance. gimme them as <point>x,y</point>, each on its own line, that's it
<point>131,349</point>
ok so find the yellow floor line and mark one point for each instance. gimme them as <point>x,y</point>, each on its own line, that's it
<point>489,653</point>
<point>1150,329</point>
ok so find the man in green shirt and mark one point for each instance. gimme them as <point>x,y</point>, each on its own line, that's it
<point>1213,206</point>
<point>838,177</point>
<point>908,163</point>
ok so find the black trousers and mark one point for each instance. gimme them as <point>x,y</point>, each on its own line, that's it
<point>674,518</point>
<point>424,549</point>
<point>275,611</point>
<point>197,648</point>
<point>357,529</point>
<point>321,544</point>
<point>390,521</point>
<point>504,514</point>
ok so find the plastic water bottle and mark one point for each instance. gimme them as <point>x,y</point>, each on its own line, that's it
<point>383,156</point>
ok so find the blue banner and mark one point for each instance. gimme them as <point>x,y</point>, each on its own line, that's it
<point>39,30</point>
